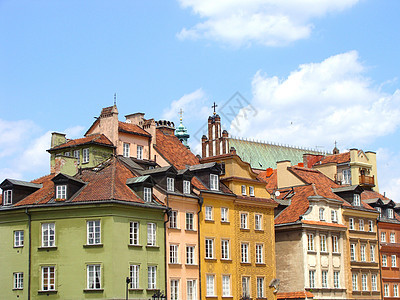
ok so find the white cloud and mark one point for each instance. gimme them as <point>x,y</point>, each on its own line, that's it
<point>268,22</point>
<point>388,176</point>
<point>319,103</point>
<point>74,132</point>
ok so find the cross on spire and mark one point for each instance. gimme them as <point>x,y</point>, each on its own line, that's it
<point>115,99</point>
<point>214,106</point>
<point>181,114</point>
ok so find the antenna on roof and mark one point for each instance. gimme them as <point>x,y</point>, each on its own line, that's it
<point>115,99</point>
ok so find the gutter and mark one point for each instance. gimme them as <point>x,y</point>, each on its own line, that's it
<point>201,201</point>
<point>30,252</point>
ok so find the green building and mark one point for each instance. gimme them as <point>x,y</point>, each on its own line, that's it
<point>81,236</point>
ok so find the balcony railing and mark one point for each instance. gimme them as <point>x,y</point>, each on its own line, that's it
<point>367,180</point>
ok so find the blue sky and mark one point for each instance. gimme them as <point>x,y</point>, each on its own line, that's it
<point>312,72</point>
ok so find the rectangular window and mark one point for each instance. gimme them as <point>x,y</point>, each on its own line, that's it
<point>173,254</point>
<point>374,285</point>
<point>394,263</point>
<point>77,155</point>
<point>386,290</point>
<point>173,219</point>
<point>258,222</point>
<point>174,289</point>
<point>354,279</point>
<point>85,155</point>
<point>346,176</point>
<point>67,153</point>
<point>390,213</point>
<point>170,184</point>
<point>7,195</point>
<point>395,290</point>
<point>243,190</point>
<point>324,279</point>
<point>392,238</point>
<point>126,150</point>
<point>379,210</point>
<point>244,252</point>
<point>151,277</point>
<point>61,192</point>
<point>244,221</point>
<point>260,287</point>
<point>209,214</point>
<point>190,255</point>
<point>362,253</point>
<point>147,194</point>
<point>209,248</point>
<point>224,214</point>
<point>226,285</point>
<point>322,214</point>
<point>134,273</point>
<point>225,249</point>
<point>214,184</point>
<point>245,286</point>
<point>186,187</point>
<point>151,234</point>
<point>210,290</point>
<point>352,252</point>
<point>93,232</point>
<point>351,224</point>
<point>335,244</point>
<point>311,278</point>
<point>361,225</point>
<point>259,254</point>
<point>384,260</point>
<point>372,252</point>
<point>356,200</point>
<point>48,278</point>
<point>189,221</point>
<point>191,292</point>
<point>322,238</point>
<point>251,191</point>
<point>48,235</point>
<point>310,242</point>
<point>364,285</point>
<point>370,226</point>
<point>18,238</point>
<point>383,237</point>
<point>18,281</point>
<point>334,216</point>
<point>336,279</point>
<point>134,233</point>
<point>139,154</point>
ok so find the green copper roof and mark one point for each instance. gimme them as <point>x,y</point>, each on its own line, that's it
<point>265,155</point>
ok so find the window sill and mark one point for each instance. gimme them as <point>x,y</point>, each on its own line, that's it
<point>311,252</point>
<point>191,230</point>
<point>48,292</point>
<point>191,265</point>
<point>227,260</point>
<point>175,264</point>
<point>19,289</point>
<point>209,221</point>
<point>210,259</point>
<point>259,230</point>
<point>325,252</point>
<point>225,222</point>
<point>336,253</point>
<point>134,246</point>
<point>93,290</point>
<point>152,290</point>
<point>245,229</point>
<point>152,246</point>
<point>93,246</point>
<point>245,263</point>
<point>227,297</point>
<point>174,228</point>
<point>47,248</point>
<point>135,290</point>
<point>19,246</point>
<point>261,264</point>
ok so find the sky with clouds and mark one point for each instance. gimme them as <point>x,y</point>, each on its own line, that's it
<point>299,72</point>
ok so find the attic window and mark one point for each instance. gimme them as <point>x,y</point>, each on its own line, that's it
<point>390,213</point>
<point>147,194</point>
<point>356,200</point>
<point>214,184</point>
<point>380,211</point>
<point>170,184</point>
<point>186,187</point>
<point>61,192</point>
<point>7,197</point>
<point>126,150</point>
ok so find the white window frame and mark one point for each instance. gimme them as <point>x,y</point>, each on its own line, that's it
<point>394,260</point>
<point>190,255</point>
<point>93,232</point>
<point>210,285</point>
<point>323,245</point>
<point>18,280</point>
<point>386,290</point>
<point>61,191</point>
<point>354,280</point>
<point>7,197</point>
<point>170,184</point>
<point>374,285</point>
<point>244,220</point>
<point>48,234</point>
<point>126,150</point>
<point>324,278</point>
<point>190,221</point>
<point>260,287</point>
<point>173,253</point>
<point>356,200</point>
<point>134,230</point>
<point>383,237</point>
<point>244,253</point>
<point>251,191</point>
<point>147,194</point>
<point>310,242</point>
<point>226,286</point>
<point>245,286</point>
<point>353,256</point>
<point>370,226</point>
<point>191,289</point>
<point>77,155</point>
<point>244,190</point>
<point>209,213</point>
<point>384,260</point>
<point>258,218</point>
<point>364,282</point>
<point>259,253</point>
<point>85,155</point>
<point>224,214</point>
<point>390,213</point>
<point>139,152</point>
<point>311,278</point>
<point>335,244</point>
<point>351,223</point>
<point>379,209</point>
<point>225,249</point>
<point>334,216</point>
<point>186,187</point>
<point>151,234</point>
<point>362,253</point>
<point>209,248</point>
<point>68,153</point>
<point>395,290</point>
<point>134,272</point>
<point>173,219</point>
<point>174,287</point>
<point>214,182</point>
<point>361,225</point>
<point>322,214</point>
<point>49,283</point>
<point>336,279</point>
<point>372,253</point>
<point>152,277</point>
<point>18,238</point>
<point>392,238</point>
<point>346,174</point>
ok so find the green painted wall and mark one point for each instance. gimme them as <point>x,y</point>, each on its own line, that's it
<point>71,255</point>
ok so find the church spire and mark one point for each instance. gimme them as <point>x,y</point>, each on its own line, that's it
<point>181,132</point>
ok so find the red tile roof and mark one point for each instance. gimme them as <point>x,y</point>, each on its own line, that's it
<point>335,158</point>
<point>323,223</point>
<point>265,200</point>
<point>365,195</point>
<point>132,128</point>
<point>99,139</point>
<point>172,149</point>
<point>295,295</point>
<point>269,178</point>
<point>43,195</point>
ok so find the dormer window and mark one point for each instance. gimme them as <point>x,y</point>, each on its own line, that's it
<point>390,213</point>
<point>61,192</point>
<point>7,196</point>
<point>186,187</point>
<point>380,211</point>
<point>334,216</point>
<point>356,200</point>
<point>67,153</point>
<point>147,194</point>
<point>322,214</point>
<point>214,182</point>
<point>170,184</point>
<point>126,150</point>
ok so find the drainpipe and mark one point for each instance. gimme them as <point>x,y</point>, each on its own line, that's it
<point>30,252</point>
<point>168,212</point>
<point>201,200</point>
